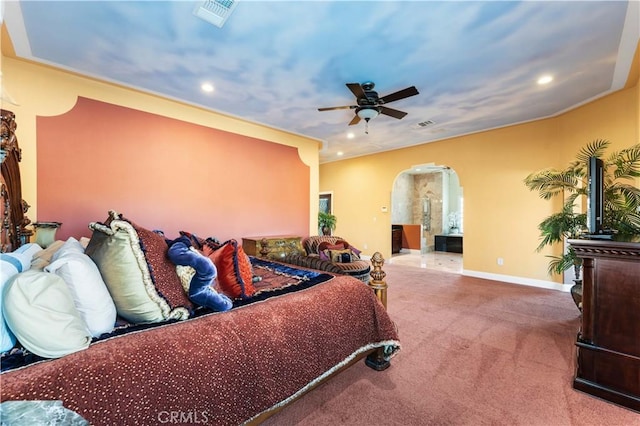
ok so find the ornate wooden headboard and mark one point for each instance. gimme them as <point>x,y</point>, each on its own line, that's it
<point>13,231</point>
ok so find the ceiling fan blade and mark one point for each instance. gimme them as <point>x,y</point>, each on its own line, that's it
<point>355,120</point>
<point>357,90</point>
<point>400,94</point>
<point>338,107</point>
<point>392,112</point>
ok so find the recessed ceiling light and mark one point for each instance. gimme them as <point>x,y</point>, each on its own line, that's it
<point>350,135</point>
<point>340,154</point>
<point>545,79</point>
<point>207,87</point>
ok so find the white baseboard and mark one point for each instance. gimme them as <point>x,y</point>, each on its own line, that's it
<point>519,280</point>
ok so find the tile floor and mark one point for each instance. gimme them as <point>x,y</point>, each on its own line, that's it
<point>443,261</point>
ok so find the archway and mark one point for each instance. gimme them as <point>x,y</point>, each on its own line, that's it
<point>427,207</point>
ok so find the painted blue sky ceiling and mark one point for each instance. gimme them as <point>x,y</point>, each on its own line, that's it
<point>275,62</point>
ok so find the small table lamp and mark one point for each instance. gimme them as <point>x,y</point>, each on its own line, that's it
<point>46,232</point>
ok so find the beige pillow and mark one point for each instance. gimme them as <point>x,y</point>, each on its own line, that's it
<point>116,249</point>
<point>39,309</point>
<point>43,257</point>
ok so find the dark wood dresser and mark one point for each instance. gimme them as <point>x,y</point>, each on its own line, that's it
<point>608,343</point>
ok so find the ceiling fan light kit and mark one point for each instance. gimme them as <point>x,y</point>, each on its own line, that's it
<point>369,105</point>
<point>367,113</point>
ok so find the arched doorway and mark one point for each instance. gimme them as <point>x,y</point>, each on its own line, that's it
<point>427,207</point>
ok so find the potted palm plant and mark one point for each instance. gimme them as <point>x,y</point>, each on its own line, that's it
<point>621,201</point>
<point>326,222</point>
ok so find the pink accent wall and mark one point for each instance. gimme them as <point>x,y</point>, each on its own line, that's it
<point>167,174</point>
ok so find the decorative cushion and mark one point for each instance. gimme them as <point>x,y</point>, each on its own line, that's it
<point>90,294</point>
<point>325,248</point>
<point>311,243</point>
<point>340,256</point>
<point>141,279</point>
<point>234,270</point>
<point>185,273</point>
<point>328,245</point>
<point>40,311</point>
<point>200,289</point>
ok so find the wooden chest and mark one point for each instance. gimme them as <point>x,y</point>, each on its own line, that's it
<point>608,357</point>
<point>275,246</point>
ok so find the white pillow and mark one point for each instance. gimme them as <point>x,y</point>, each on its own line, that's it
<point>30,249</point>
<point>71,246</point>
<point>10,265</point>
<point>8,269</point>
<point>39,309</point>
<point>90,294</point>
<point>22,261</point>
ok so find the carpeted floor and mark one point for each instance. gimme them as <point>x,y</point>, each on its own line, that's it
<point>474,352</point>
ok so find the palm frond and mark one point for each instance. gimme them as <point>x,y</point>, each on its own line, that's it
<point>551,182</point>
<point>594,148</point>
<point>559,264</point>
<point>621,199</point>
<point>626,162</point>
<point>559,226</point>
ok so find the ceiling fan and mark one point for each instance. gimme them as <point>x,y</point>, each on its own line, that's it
<point>369,105</point>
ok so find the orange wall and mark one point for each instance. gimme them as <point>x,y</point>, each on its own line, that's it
<point>253,179</point>
<point>165,174</point>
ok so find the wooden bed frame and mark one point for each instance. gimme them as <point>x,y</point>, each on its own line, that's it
<point>14,233</point>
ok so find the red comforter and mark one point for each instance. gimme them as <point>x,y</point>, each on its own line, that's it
<point>221,368</point>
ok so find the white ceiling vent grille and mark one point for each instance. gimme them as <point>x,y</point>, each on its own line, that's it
<point>215,12</point>
<point>426,123</point>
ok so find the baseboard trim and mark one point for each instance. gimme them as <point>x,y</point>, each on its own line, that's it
<point>519,280</point>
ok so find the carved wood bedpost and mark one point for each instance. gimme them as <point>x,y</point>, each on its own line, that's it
<point>377,359</point>
<point>14,221</point>
<point>377,282</point>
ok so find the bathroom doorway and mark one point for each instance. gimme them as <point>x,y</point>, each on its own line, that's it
<point>427,206</point>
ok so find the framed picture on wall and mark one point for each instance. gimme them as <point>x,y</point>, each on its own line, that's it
<point>326,204</point>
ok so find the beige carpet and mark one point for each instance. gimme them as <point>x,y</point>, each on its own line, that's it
<point>474,352</point>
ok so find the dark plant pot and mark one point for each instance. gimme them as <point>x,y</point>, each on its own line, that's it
<point>326,230</point>
<point>576,293</point>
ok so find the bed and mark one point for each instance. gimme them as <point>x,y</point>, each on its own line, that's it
<point>298,328</point>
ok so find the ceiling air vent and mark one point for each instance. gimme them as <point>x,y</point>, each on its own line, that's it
<point>426,123</point>
<point>215,12</point>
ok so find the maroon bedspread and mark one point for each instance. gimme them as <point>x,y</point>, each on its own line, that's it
<point>222,368</point>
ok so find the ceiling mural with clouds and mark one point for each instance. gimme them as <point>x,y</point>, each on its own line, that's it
<point>475,64</point>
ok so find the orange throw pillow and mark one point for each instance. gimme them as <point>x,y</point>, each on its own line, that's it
<point>234,270</point>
